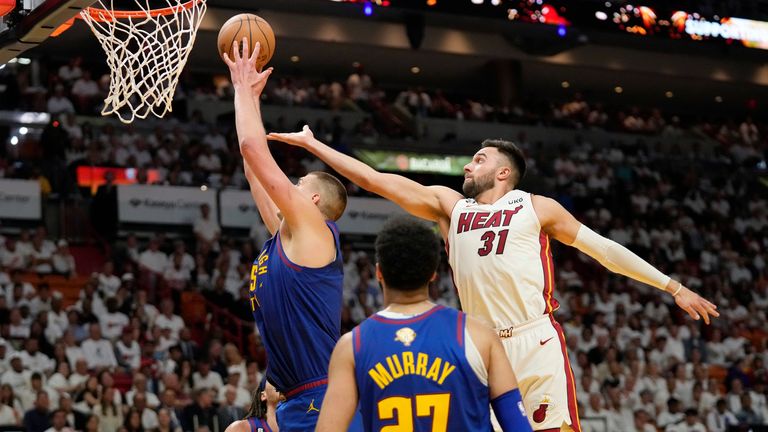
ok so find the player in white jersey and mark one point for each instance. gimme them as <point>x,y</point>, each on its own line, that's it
<point>498,248</point>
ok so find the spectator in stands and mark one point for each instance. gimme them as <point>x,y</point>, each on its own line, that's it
<point>71,71</point>
<point>59,422</point>
<point>59,381</point>
<point>153,259</point>
<point>85,91</point>
<point>206,228</point>
<point>209,161</point>
<point>148,416</point>
<point>12,257</point>
<point>168,320</point>
<point>98,352</point>
<point>104,208</point>
<point>721,419</point>
<point>108,281</point>
<point>201,413</point>
<point>11,411</point>
<point>33,359</point>
<point>37,419</point>
<point>748,415</point>
<point>63,261</point>
<point>241,396</point>
<point>108,411</point>
<point>113,321</point>
<point>128,352</point>
<point>58,103</point>
<point>229,411</point>
<point>74,418</point>
<point>205,378</point>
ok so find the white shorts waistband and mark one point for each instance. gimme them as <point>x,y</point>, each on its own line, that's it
<point>510,331</point>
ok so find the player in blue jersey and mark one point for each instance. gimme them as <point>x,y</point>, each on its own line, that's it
<point>417,366</point>
<point>261,414</point>
<point>296,282</point>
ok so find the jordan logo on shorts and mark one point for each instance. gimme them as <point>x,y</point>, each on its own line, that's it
<point>542,342</point>
<point>312,407</point>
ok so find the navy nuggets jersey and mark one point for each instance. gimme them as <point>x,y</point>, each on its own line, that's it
<point>413,374</point>
<point>298,312</point>
<point>258,425</point>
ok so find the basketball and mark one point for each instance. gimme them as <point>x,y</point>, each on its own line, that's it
<point>253,27</point>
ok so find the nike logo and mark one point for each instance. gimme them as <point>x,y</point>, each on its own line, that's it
<point>542,342</point>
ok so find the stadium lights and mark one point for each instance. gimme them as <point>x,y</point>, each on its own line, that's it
<point>23,130</point>
<point>14,140</point>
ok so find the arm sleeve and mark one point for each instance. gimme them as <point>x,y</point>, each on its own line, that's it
<point>510,413</point>
<point>618,259</point>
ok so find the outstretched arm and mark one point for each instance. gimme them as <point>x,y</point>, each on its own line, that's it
<point>305,223</point>
<point>341,398</point>
<point>557,222</point>
<point>433,203</point>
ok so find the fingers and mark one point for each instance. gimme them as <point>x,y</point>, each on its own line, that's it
<point>246,49</point>
<point>305,128</point>
<point>692,312</point>
<point>227,60</point>
<point>277,137</point>
<point>256,51</point>
<point>236,51</point>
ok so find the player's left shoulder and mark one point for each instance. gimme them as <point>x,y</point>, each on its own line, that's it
<point>239,426</point>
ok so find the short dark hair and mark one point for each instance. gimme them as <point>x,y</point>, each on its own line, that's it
<point>335,193</point>
<point>407,252</point>
<point>512,152</point>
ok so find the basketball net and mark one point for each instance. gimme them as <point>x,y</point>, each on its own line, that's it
<point>146,52</point>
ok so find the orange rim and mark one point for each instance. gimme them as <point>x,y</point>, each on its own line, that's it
<point>105,15</point>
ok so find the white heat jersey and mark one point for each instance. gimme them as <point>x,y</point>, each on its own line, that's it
<point>501,261</point>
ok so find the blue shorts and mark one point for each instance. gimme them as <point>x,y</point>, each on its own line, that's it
<point>301,412</point>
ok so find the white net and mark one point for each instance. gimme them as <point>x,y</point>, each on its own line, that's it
<point>146,52</point>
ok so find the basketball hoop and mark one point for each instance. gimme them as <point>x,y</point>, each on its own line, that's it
<point>146,52</point>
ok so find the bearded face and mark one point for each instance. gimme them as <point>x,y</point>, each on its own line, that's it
<point>476,185</point>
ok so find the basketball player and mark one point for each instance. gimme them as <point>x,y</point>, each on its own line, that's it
<point>498,248</point>
<point>296,281</point>
<point>417,366</point>
<point>261,414</point>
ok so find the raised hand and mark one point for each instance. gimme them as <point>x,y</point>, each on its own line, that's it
<point>695,305</point>
<point>243,68</point>
<point>300,139</point>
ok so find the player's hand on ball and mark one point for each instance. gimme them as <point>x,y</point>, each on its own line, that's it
<point>243,68</point>
<point>299,139</point>
<point>695,305</point>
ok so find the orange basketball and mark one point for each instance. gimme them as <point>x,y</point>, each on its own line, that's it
<point>253,27</point>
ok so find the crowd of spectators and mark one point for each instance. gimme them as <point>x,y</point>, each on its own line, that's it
<point>639,363</point>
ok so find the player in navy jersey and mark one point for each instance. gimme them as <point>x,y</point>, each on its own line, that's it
<point>261,414</point>
<point>417,366</point>
<point>296,282</point>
